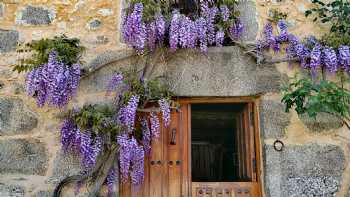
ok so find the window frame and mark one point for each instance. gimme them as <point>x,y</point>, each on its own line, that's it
<point>185,103</point>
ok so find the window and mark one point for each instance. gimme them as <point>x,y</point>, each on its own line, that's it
<point>215,147</point>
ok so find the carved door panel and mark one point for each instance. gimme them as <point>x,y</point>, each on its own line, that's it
<point>224,189</point>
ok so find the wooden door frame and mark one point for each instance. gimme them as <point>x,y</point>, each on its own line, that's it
<point>187,101</point>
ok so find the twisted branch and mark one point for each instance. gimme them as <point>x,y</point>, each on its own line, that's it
<point>96,174</point>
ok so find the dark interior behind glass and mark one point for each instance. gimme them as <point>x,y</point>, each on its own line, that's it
<point>214,150</point>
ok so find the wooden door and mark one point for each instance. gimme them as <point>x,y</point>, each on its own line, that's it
<point>163,169</point>
<point>168,170</point>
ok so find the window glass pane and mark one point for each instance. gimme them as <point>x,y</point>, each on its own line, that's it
<point>214,149</point>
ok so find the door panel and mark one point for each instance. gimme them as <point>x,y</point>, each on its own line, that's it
<point>224,189</point>
<point>163,169</point>
<point>168,170</point>
<point>174,160</point>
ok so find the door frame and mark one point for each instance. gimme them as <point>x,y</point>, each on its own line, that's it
<point>185,103</point>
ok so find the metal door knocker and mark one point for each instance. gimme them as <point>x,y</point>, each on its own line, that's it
<point>173,137</point>
<point>278,145</point>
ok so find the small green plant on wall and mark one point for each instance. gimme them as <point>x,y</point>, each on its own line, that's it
<point>308,97</point>
<point>329,55</point>
<point>53,69</point>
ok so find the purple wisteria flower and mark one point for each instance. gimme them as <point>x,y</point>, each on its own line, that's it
<point>127,113</point>
<point>155,125</point>
<point>165,109</point>
<point>134,29</point>
<point>53,83</point>
<point>115,81</point>
<point>131,158</point>
<point>111,180</point>
<point>187,33</point>
<point>160,28</point>
<point>302,52</point>
<point>204,8</point>
<point>125,153</point>
<point>225,13</point>
<point>138,162</point>
<point>146,136</point>
<point>151,35</point>
<point>174,31</point>
<point>202,34</point>
<point>236,30</point>
<point>219,38</point>
<point>344,57</point>
<point>330,59</point>
<point>311,41</point>
<point>315,57</point>
<point>68,133</point>
<point>87,151</point>
<point>211,25</point>
<point>283,31</point>
<point>270,38</point>
<point>293,41</point>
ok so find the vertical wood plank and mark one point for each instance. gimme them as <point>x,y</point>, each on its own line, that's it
<point>125,189</point>
<point>247,142</point>
<point>252,152</point>
<point>146,183</point>
<point>185,126</point>
<point>155,173</point>
<point>174,156</point>
<point>164,163</point>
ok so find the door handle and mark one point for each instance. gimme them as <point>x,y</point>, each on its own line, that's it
<point>173,137</point>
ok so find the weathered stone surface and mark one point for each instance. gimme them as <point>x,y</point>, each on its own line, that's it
<point>23,156</point>
<point>303,170</point>
<point>43,194</point>
<point>249,17</point>
<point>1,10</point>
<point>11,190</point>
<point>17,88</point>
<point>15,118</point>
<point>8,40</point>
<point>94,24</point>
<point>31,15</point>
<point>323,122</point>
<point>99,79</point>
<point>64,165</point>
<point>224,71</point>
<point>273,119</point>
<point>102,40</point>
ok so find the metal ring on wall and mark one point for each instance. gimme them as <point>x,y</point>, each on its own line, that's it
<point>278,145</point>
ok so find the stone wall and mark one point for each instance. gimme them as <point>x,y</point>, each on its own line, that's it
<point>316,155</point>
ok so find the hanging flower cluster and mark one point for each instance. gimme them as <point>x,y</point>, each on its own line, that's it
<point>311,53</point>
<point>139,34</point>
<point>54,83</point>
<point>80,142</point>
<point>91,129</point>
<point>209,28</point>
<point>132,149</point>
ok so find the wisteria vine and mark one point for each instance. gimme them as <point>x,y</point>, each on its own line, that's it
<point>54,83</point>
<point>91,129</point>
<point>311,53</point>
<point>209,28</point>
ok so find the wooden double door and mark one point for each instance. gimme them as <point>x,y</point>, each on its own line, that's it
<point>168,170</point>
